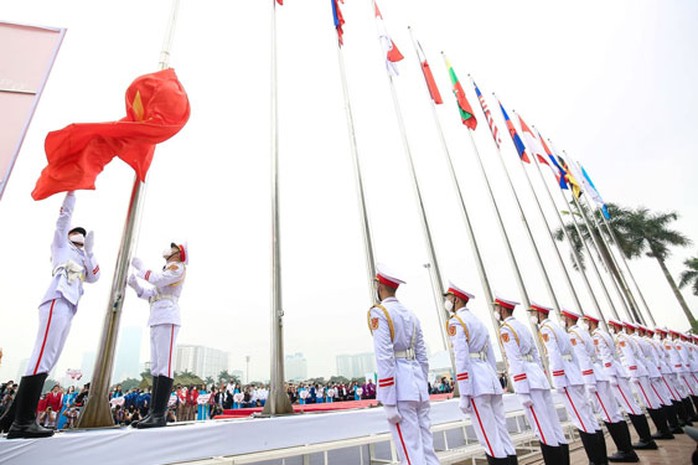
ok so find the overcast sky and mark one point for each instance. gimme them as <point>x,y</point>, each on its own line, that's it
<point>612,83</point>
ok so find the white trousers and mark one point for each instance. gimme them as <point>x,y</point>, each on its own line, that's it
<point>647,394</point>
<point>55,318</point>
<point>668,382</point>
<point>605,403</point>
<point>624,396</point>
<point>412,436</point>
<point>660,389</point>
<point>543,418</point>
<point>163,339</point>
<point>685,379</point>
<point>579,409</point>
<point>488,419</point>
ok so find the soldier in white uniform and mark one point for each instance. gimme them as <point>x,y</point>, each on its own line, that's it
<point>654,367</point>
<point>162,291</point>
<point>608,348</point>
<point>633,360</point>
<point>403,367</point>
<point>480,390</point>
<point>671,357</point>
<point>73,263</point>
<point>530,384</point>
<point>681,368</point>
<point>598,388</point>
<point>569,381</point>
<point>599,347</point>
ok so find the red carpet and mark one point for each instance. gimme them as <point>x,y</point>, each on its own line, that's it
<point>311,408</point>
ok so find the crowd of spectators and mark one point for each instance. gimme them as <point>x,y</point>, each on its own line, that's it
<point>59,408</point>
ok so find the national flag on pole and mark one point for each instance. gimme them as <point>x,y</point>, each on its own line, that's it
<point>467,115</point>
<point>428,76</point>
<point>157,107</point>
<point>531,142</point>
<point>518,143</point>
<point>557,169</point>
<point>593,192</point>
<point>392,54</point>
<point>488,115</point>
<point>570,178</point>
<point>338,21</point>
<point>280,2</point>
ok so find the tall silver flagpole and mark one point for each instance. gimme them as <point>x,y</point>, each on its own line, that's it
<point>619,280</point>
<point>575,257</point>
<point>466,217</point>
<point>366,227</point>
<point>97,412</point>
<point>632,276</point>
<point>561,262</point>
<point>529,233</point>
<point>278,401</point>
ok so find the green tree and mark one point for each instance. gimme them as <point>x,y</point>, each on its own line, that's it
<point>129,383</point>
<point>640,232</point>
<point>690,275</point>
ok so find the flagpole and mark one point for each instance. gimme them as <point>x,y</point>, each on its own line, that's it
<point>278,401</point>
<point>619,279</point>
<point>97,412</point>
<point>539,259</point>
<point>614,241</point>
<point>365,225</point>
<point>632,276</point>
<point>575,257</point>
<point>466,217</point>
<point>633,308</point>
<point>568,278</point>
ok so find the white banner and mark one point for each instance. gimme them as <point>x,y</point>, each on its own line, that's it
<point>27,54</point>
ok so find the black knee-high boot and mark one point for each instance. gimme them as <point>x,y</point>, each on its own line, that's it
<point>160,398</point>
<point>621,438</point>
<point>659,419</point>
<point>26,400</point>
<point>672,418</point>
<point>643,431</point>
<point>684,418</point>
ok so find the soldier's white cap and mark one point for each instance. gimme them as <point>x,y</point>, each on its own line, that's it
<point>183,251</point>
<point>388,277</point>
<point>506,303</point>
<point>616,323</point>
<point>540,308</point>
<point>459,292</point>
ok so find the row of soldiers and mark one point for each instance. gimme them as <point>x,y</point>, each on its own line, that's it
<point>598,374</point>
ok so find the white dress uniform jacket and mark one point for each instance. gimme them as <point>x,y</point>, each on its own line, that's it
<point>608,355</point>
<point>71,266</point>
<point>401,357</point>
<point>525,366</point>
<point>562,359</point>
<point>583,346</point>
<point>164,293</point>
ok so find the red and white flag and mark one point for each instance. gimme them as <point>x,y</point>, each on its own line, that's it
<point>392,54</point>
<point>531,141</point>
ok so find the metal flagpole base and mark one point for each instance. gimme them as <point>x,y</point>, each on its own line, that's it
<point>279,403</point>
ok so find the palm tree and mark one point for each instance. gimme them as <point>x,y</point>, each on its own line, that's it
<point>641,232</point>
<point>690,276</point>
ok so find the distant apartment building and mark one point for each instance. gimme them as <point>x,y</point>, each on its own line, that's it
<point>356,365</point>
<point>296,367</point>
<point>200,360</point>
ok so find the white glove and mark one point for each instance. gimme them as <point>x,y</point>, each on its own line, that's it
<point>465,405</point>
<point>89,242</point>
<point>591,389</point>
<point>392,414</point>
<point>132,281</point>
<point>137,263</point>
<point>525,400</point>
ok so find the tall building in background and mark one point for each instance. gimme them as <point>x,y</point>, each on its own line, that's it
<point>200,360</point>
<point>296,367</point>
<point>356,365</point>
<point>128,351</point>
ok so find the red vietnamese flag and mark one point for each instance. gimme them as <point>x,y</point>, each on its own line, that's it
<point>428,76</point>
<point>157,107</point>
<point>280,2</point>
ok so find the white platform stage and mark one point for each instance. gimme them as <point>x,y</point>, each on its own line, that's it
<point>214,438</point>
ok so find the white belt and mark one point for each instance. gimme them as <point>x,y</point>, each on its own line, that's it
<point>155,298</point>
<point>407,354</point>
<point>479,355</point>
<point>567,357</point>
<point>527,358</point>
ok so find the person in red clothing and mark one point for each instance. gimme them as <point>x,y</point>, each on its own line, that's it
<point>54,398</point>
<point>192,399</point>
